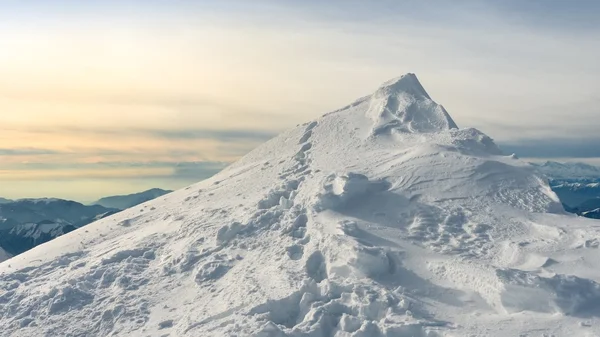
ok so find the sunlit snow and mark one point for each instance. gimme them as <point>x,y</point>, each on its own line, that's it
<point>379,219</point>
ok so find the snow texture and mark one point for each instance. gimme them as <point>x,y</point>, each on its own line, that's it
<point>378,219</point>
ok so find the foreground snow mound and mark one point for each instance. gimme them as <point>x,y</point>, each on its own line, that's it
<point>379,219</point>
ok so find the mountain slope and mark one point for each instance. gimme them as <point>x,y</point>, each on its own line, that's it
<point>378,219</point>
<point>130,200</point>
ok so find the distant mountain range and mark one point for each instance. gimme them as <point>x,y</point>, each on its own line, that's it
<point>26,223</point>
<point>571,171</point>
<point>130,200</point>
<point>577,186</point>
<point>577,194</point>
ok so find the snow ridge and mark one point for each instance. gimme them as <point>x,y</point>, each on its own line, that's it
<point>402,104</point>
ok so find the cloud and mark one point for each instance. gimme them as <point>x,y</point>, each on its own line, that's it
<point>221,135</point>
<point>197,170</point>
<point>82,174</point>
<point>184,171</point>
<point>71,144</point>
<point>554,148</point>
<point>553,15</point>
<point>120,97</point>
<point>26,152</point>
<point>201,82</point>
<point>481,59</point>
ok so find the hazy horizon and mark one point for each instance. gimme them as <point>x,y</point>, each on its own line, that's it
<point>114,97</point>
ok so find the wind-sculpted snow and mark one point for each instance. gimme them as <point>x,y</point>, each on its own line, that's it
<point>403,104</point>
<point>330,229</point>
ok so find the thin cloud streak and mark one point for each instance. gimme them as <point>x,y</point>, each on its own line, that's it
<point>189,171</point>
<point>554,148</point>
<point>26,152</point>
<point>183,133</point>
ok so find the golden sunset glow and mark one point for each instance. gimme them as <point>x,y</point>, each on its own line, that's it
<point>126,84</point>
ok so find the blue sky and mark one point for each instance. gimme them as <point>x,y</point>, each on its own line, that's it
<point>110,97</point>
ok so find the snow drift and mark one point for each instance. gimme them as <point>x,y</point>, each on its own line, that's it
<point>379,219</point>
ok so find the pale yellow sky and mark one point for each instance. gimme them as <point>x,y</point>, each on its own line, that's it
<point>131,85</point>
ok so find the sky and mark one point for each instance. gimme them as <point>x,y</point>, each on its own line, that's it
<point>111,97</point>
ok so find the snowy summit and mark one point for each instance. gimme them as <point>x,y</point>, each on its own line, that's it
<point>403,103</point>
<point>382,218</point>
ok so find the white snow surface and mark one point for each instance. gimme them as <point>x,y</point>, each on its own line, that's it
<point>377,219</point>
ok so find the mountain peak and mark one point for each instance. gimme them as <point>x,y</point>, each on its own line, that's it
<point>402,105</point>
<point>327,229</point>
<point>408,83</point>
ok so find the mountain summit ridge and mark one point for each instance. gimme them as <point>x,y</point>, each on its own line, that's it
<point>379,219</point>
<point>405,83</point>
<point>403,105</point>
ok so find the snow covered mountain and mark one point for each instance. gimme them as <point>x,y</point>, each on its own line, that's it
<point>57,210</point>
<point>576,184</point>
<point>130,200</point>
<point>592,214</point>
<point>26,223</point>
<point>572,171</point>
<point>22,237</point>
<point>575,193</point>
<point>378,219</point>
